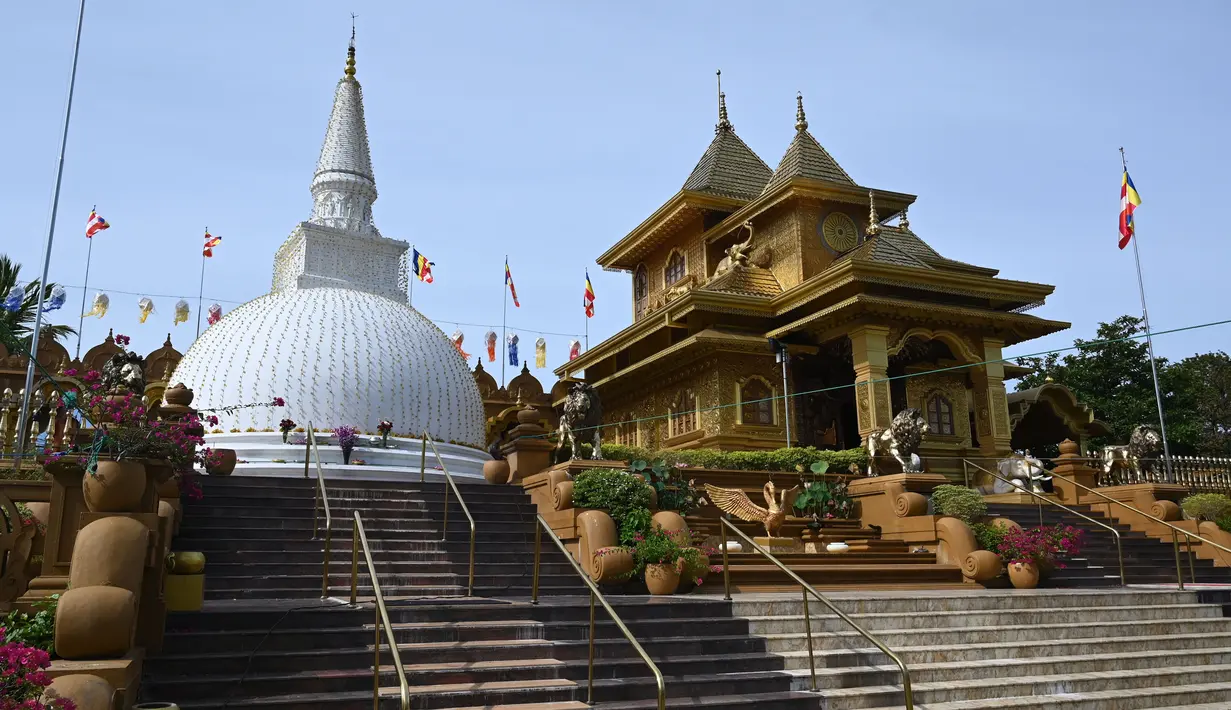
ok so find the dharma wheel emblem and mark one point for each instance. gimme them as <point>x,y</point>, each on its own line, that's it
<point>839,232</point>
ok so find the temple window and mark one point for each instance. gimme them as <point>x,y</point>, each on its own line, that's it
<point>756,403</point>
<point>626,431</point>
<point>683,415</point>
<point>940,415</point>
<point>675,268</point>
<point>641,289</point>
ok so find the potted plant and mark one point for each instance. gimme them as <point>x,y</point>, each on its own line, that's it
<point>23,680</point>
<point>383,429</point>
<point>348,437</point>
<point>674,491</point>
<point>286,426</point>
<point>1023,550</point>
<point>661,559</point>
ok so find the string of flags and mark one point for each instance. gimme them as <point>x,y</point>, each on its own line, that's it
<point>146,307</point>
<point>511,346</point>
<point>99,308</point>
<point>181,312</point>
<point>490,341</point>
<point>214,314</point>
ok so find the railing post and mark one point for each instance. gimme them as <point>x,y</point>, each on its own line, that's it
<point>808,633</point>
<point>307,451</point>
<point>376,663</point>
<point>726,565</point>
<point>423,457</point>
<point>538,551</point>
<point>325,564</point>
<point>444,529</point>
<point>354,564</point>
<point>590,692</point>
<point>1179,574</point>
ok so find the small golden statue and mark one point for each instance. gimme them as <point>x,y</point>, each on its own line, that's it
<point>734,501</point>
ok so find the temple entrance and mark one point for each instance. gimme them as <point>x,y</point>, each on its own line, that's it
<point>826,416</point>
<point>1044,416</point>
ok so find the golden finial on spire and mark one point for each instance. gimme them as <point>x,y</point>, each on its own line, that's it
<point>904,222</point>
<point>350,51</point>
<point>874,222</point>
<point>801,121</point>
<point>724,123</point>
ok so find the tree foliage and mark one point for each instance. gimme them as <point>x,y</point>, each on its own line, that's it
<point>1112,375</point>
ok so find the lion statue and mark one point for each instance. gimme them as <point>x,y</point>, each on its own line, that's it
<point>124,371</point>
<point>901,440</point>
<point>1024,472</point>
<point>583,414</point>
<point>1141,453</point>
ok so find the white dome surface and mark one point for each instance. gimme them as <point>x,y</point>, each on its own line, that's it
<point>338,357</point>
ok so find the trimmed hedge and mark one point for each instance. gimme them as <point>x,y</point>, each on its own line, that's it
<point>963,503</point>
<point>1207,506</point>
<point>777,460</point>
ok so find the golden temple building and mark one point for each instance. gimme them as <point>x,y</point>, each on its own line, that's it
<point>832,269</point>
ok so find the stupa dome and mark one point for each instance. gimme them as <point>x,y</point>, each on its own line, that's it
<point>338,357</point>
<point>336,337</point>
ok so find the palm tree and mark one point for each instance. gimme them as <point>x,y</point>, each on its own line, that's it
<point>18,325</point>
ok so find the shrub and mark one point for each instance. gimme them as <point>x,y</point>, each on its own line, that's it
<point>988,537</point>
<point>824,500</point>
<point>620,493</point>
<point>636,523</point>
<point>675,491</point>
<point>1224,523</point>
<point>792,459</point>
<point>963,503</point>
<point>23,680</point>
<point>37,631</point>
<point>1206,506</point>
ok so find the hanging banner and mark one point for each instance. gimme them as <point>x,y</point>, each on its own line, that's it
<point>490,339</point>
<point>12,302</point>
<point>540,353</point>
<point>101,303</point>
<point>574,350</point>
<point>56,300</point>
<point>214,314</point>
<point>512,348</point>
<point>457,338</point>
<point>146,306</point>
<point>181,312</point>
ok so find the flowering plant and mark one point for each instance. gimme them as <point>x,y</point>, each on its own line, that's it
<point>384,427</point>
<point>23,679</point>
<point>348,436</point>
<point>1041,544</point>
<point>123,341</point>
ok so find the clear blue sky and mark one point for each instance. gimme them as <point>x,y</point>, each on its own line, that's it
<point>548,130</point>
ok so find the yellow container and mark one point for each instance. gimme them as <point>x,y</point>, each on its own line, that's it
<point>184,592</point>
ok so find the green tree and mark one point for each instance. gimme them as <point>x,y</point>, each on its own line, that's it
<point>19,324</point>
<point>1202,384</point>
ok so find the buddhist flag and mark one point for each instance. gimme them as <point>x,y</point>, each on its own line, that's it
<point>587,300</point>
<point>95,224</point>
<point>508,279</point>
<point>210,242</point>
<point>422,267</point>
<point>1129,201</point>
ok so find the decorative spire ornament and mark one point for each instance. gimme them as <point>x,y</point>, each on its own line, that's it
<point>874,222</point>
<point>801,121</point>
<point>724,123</point>
<point>904,221</point>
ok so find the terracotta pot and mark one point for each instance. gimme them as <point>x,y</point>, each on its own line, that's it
<point>497,472</point>
<point>662,579</point>
<point>1046,568</point>
<point>1024,575</point>
<point>178,395</point>
<point>225,463</point>
<point>115,487</point>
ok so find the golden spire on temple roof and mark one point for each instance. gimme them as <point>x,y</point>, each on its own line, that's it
<point>350,51</point>
<point>724,123</point>
<point>801,121</point>
<point>874,222</point>
<point>904,222</point>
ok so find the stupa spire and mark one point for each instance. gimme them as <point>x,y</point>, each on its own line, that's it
<point>343,187</point>
<point>724,123</point>
<point>801,121</point>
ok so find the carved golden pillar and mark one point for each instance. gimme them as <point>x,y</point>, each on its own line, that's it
<point>991,402</point>
<point>871,359</point>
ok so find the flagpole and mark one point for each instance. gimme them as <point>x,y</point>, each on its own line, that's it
<point>89,252</point>
<point>1145,317</point>
<point>201,289</point>
<point>23,414</point>
<point>504,321</point>
<point>410,279</point>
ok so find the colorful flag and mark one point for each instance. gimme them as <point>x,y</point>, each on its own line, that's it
<point>1129,201</point>
<point>95,224</point>
<point>458,337</point>
<point>508,279</point>
<point>210,242</point>
<point>181,312</point>
<point>490,341</point>
<point>101,303</point>
<point>13,301</point>
<point>574,350</point>
<point>588,300</point>
<point>540,353</point>
<point>422,267</point>
<point>511,345</point>
<point>146,306</point>
<point>57,299</point>
<point>214,314</point>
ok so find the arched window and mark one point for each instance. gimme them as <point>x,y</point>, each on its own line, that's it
<point>683,416</point>
<point>940,415</point>
<point>675,268</point>
<point>641,289</point>
<point>756,407</point>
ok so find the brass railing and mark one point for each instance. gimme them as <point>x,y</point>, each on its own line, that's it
<point>542,525</point>
<point>1175,531</point>
<point>807,590</point>
<point>1044,499</point>
<point>321,497</point>
<point>359,540</point>
<point>449,483</point>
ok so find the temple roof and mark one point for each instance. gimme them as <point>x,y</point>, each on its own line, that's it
<point>806,158</point>
<point>901,246</point>
<point>345,149</point>
<point>728,167</point>
<point>747,280</point>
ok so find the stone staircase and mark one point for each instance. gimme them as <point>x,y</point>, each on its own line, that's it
<point>1146,560</point>
<point>1071,649</point>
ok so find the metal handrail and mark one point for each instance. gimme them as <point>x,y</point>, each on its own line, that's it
<point>1188,536</point>
<point>809,589</point>
<point>359,538</point>
<point>594,594</point>
<point>1049,501</point>
<point>321,496</point>
<point>449,483</point>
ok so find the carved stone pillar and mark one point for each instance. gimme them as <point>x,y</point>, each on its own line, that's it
<point>528,450</point>
<point>871,360</point>
<point>991,402</point>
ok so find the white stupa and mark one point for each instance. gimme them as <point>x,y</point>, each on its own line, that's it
<point>336,338</point>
